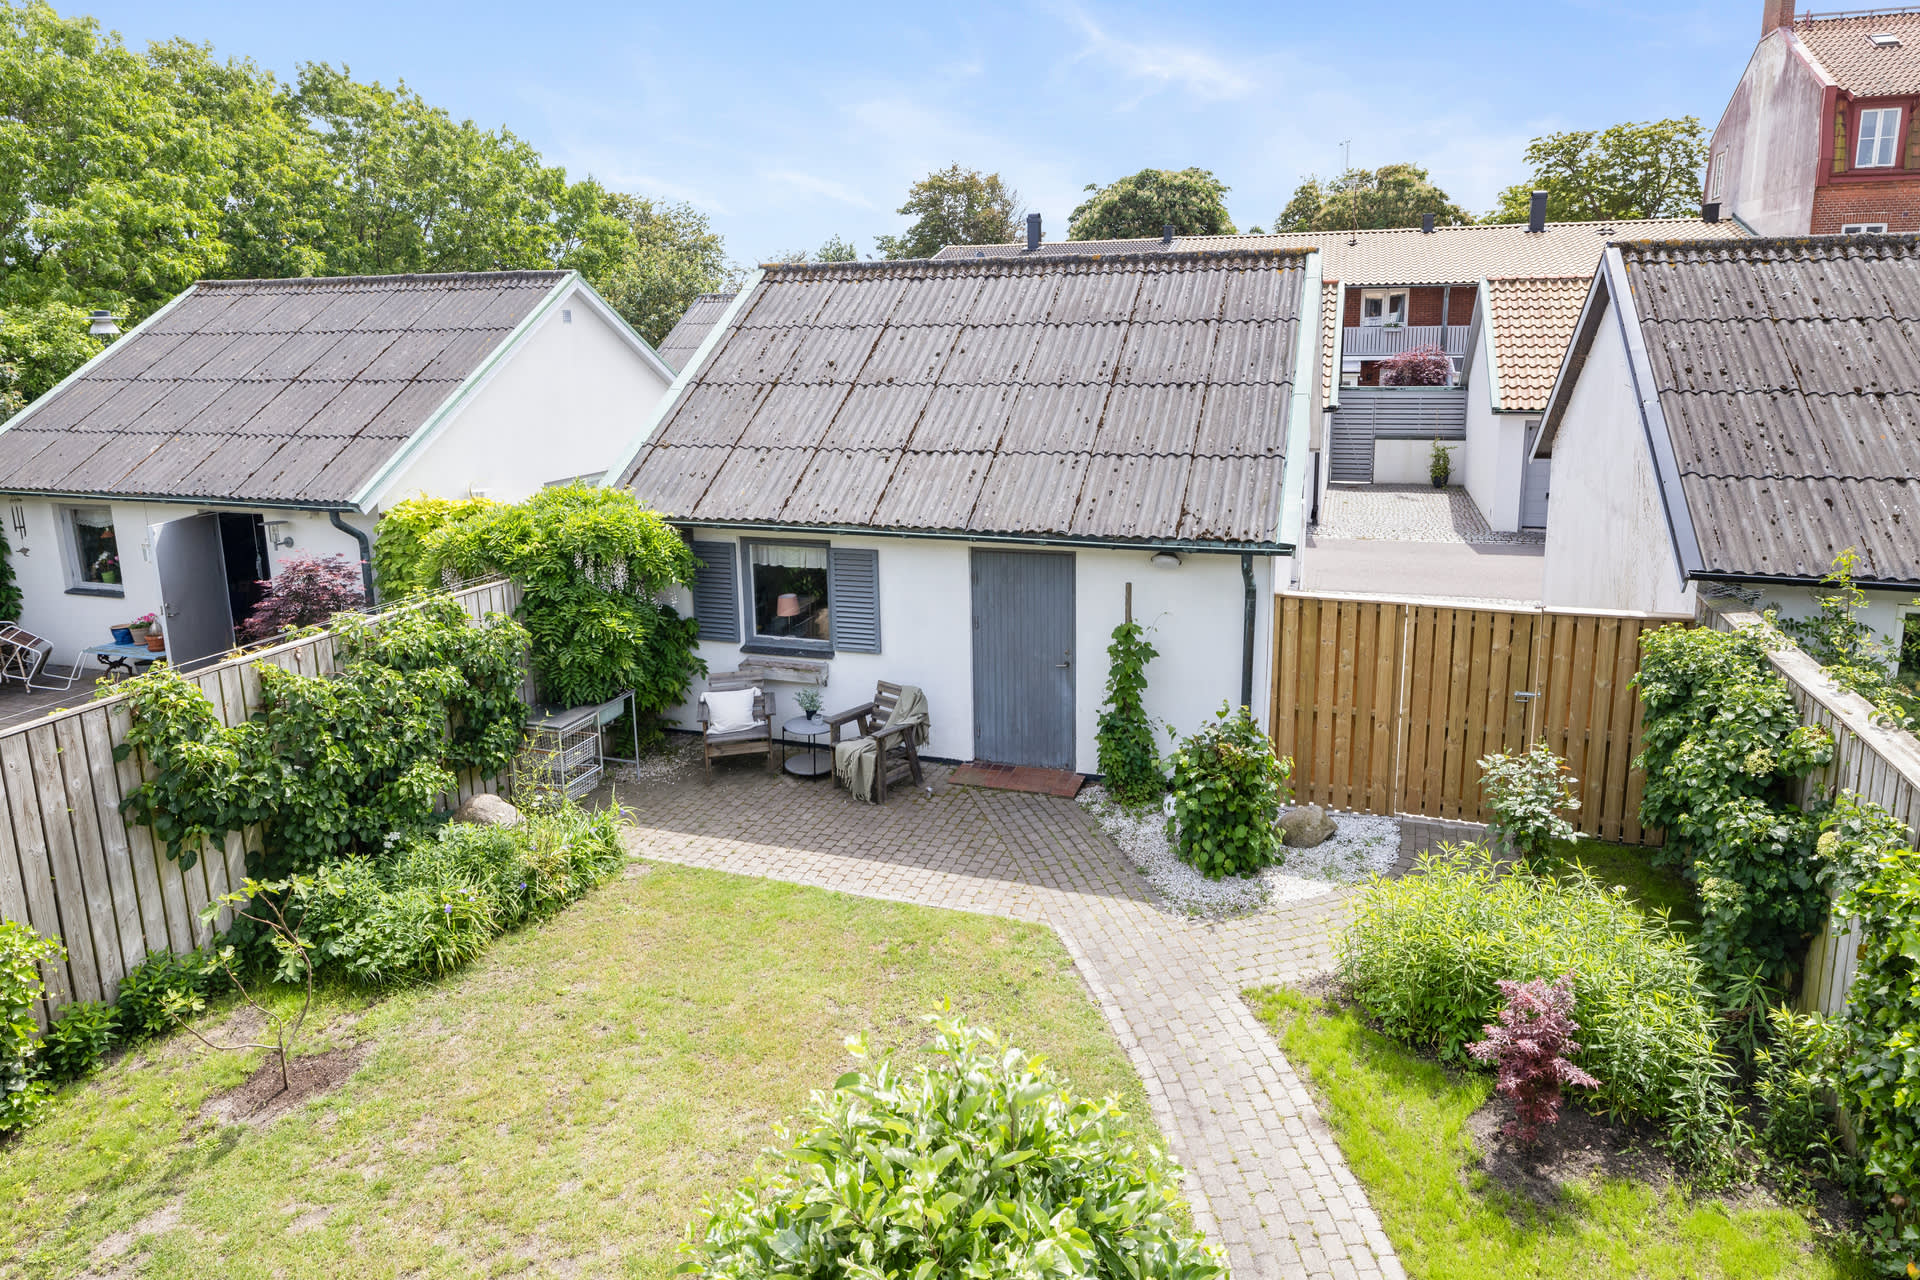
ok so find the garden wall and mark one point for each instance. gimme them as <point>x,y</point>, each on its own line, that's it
<point>1882,764</point>
<point>71,866</point>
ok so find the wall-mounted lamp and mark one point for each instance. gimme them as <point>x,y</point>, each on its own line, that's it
<point>103,324</point>
<point>1164,560</point>
<point>274,538</point>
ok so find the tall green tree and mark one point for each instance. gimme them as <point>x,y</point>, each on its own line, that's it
<point>672,255</point>
<point>1649,170</point>
<point>1142,204</point>
<point>954,206</point>
<point>1394,195</point>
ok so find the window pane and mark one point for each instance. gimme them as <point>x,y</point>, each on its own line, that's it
<point>95,553</point>
<point>1889,134</point>
<point>789,592</point>
<point>1863,155</point>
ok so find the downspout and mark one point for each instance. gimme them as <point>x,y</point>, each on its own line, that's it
<point>366,560</point>
<point>1246,640</point>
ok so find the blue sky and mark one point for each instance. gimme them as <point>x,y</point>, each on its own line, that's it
<point>789,124</point>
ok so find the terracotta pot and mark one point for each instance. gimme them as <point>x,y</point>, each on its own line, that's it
<point>156,642</point>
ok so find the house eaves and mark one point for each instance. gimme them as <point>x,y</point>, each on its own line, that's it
<point>1293,476</point>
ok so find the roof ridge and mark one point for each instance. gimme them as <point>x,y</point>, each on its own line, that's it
<point>548,275</point>
<point>992,261</point>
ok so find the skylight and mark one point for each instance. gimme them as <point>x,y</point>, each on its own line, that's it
<point>1884,40</point>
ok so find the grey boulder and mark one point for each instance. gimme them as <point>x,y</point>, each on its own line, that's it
<point>487,810</point>
<point>1306,827</point>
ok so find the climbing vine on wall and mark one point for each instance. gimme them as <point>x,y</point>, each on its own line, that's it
<point>331,764</point>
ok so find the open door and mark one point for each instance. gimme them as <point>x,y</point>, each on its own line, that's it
<point>193,589</point>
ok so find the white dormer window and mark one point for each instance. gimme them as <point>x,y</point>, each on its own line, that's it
<point>1879,134</point>
<point>1383,307</point>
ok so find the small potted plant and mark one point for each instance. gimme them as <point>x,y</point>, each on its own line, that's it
<point>140,626</point>
<point>808,701</point>
<point>1439,465</point>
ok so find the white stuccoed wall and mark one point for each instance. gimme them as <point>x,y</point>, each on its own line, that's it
<point>1492,461</point>
<point>1406,461</point>
<point>1883,611</point>
<point>74,621</point>
<point>926,637</point>
<point>563,405</point>
<point>1608,545</point>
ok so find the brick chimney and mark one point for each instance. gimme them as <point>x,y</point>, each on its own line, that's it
<point>1775,14</point>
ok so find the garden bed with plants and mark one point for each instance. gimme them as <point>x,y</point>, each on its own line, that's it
<point>568,1101</point>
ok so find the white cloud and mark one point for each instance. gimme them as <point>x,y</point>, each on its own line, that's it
<point>814,184</point>
<point>1163,64</point>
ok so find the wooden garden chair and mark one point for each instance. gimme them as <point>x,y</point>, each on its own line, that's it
<point>898,747</point>
<point>756,740</point>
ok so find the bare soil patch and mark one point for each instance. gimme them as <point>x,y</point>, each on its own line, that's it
<point>265,1096</point>
<point>1576,1148</point>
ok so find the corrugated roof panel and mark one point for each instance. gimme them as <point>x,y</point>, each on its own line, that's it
<point>1176,352</point>
<point>402,415</point>
<point>72,406</point>
<point>1741,355</point>
<point>236,407</point>
<point>178,410</point>
<point>505,308</point>
<point>833,354</point>
<point>347,359</point>
<point>795,303</point>
<point>963,419</point>
<point>463,352</point>
<point>246,311</point>
<point>1068,354</point>
<point>878,417</point>
<point>670,480</point>
<point>753,484</point>
<point>752,355</point>
<point>1094,297</point>
<point>297,404</point>
<point>1150,421</point>
<point>939,298</point>
<point>840,487</point>
<point>131,359</point>
<point>1047,419</point>
<point>910,354</point>
<point>692,329</point>
<point>1132,497</point>
<point>1243,421</point>
<point>988,354</point>
<point>933,490</point>
<point>344,408</point>
<point>1233,500</point>
<point>710,414</point>
<point>793,416</point>
<point>183,359</point>
<point>49,460</point>
<point>232,465</point>
<point>1249,351</point>
<point>409,354</point>
<point>1262,291</point>
<point>356,463</point>
<point>347,310</point>
<point>1030,493</point>
<point>293,313</point>
<point>872,304</point>
<point>1014,299</point>
<point>296,354</point>
<point>1873,436</point>
<point>469,309</point>
<point>1181,295</point>
<point>190,314</point>
<point>170,466</point>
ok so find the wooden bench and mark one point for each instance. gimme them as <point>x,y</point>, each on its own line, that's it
<point>899,754</point>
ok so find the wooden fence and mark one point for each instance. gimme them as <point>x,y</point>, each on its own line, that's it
<point>71,866</point>
<point>1882,764</point>
<point>1387,706</point>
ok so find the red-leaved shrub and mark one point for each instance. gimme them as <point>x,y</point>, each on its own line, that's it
<point>1422,366</point>
<point>307,590</point>
<point>1531,1043</point>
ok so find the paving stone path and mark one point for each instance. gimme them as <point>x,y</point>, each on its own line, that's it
<point>1410,513</point>
<point>1266,1179</point>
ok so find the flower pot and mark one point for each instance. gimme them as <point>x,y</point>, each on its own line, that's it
<point>122,635</point>
<point>156,642</point>
<point>1439,482</point>
<point>139,634</point>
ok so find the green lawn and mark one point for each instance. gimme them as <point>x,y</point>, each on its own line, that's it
<point>1401,1120</point>
<point>561,1106</point>
<point>1631,866</point>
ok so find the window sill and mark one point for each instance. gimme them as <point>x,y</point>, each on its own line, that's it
<point>98,589</point>
<point>775,647</point>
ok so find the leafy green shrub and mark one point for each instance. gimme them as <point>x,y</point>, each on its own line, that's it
<point>80,1038</point>
<point>437,900</point>
<point>401,565</point>
<point>1852,654</point>
<point>1424,954</point>
<point>591,564</point>
<point>1724,749</point>
<point>1796,1072</point>
<point>1227,790</point>
<point>981,1164</point>
<point>1527,792</point>
<point>22,1096</point>
<point>141,1009</point>
<point>1129,756</point>
<point>1880,1079</point>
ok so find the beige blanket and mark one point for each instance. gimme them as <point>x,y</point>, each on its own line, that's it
<point>856,760</point>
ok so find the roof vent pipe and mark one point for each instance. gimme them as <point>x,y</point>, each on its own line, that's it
<point>1537,212</point>
<point>1033,232</point>
<point>1166,233</point>
<point>1710,211</point>
<point>1426,224</point>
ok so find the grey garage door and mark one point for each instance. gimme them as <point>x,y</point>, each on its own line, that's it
<point>1533,495</point>
<point>1023,658</point>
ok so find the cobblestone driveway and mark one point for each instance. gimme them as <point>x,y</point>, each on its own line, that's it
<point>1265,1176</point>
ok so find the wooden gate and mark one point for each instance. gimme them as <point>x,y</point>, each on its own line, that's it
<point>1387,706</point>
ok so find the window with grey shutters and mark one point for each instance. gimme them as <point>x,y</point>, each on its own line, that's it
<point>853,585</point>
<point>716,593</point>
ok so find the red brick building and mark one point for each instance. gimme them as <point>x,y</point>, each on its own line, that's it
<point>1822,134</point>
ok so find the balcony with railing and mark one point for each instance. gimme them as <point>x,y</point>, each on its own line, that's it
<point>1376,342</point>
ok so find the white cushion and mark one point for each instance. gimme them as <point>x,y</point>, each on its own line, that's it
<point>731,710</point>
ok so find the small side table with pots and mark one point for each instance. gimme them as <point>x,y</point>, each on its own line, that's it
<point>811,765</point>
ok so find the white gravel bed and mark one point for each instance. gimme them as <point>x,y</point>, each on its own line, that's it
<point>1364,844</point>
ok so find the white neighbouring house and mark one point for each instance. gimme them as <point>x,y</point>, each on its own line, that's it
<point>948,474</point>
<point>249,421</point>
<point>1736,415</point>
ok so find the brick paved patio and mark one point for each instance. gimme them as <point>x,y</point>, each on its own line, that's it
<point>1265,1176</point>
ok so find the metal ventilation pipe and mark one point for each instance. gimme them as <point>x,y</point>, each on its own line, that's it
<point>1426,224</point>
<point>1537,212</point>
<point>1710,211</point>
<point>1033,232</point>
<point>1166,233</point>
